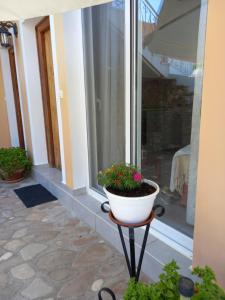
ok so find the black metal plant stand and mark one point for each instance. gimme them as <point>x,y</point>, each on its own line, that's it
<point>134,270</point>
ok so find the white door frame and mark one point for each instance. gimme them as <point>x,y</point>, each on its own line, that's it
<point>58,95</point>
<point>33,90</point>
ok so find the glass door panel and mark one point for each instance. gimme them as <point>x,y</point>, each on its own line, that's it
<point>170,48</point>
<point>103,28</point>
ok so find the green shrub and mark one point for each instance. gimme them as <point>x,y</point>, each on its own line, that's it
<point>207,288</point>
<point>167,286</point>
<point>120,176</point>
<point>12,160</point>
<point>164,289</point>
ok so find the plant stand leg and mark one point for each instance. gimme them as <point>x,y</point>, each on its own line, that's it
<point>142,251</point>
<point>132,252</point>
<point>124,249</point>
<point>131,262</point>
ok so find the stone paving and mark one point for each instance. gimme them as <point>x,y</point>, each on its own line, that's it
<point>45,253</point>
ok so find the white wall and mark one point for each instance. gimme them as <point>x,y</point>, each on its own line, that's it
<point>9,97</point>
<point>76,90</point>
<point>33,89</point>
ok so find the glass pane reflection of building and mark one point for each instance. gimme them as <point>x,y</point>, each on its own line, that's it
<point>168,35</point>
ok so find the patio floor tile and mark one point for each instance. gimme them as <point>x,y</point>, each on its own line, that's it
<point>45,253</point>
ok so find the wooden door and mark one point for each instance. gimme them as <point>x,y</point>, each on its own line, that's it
<point>16,97</point>
<point>48,92</point>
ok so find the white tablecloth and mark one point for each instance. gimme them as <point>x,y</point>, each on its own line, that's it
<point>180,169</point>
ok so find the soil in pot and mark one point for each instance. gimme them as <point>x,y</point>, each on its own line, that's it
<point>144,190</point>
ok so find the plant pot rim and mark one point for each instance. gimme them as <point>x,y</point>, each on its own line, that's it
<point>17,179</point>
<point>150,182</point>
<point>13,180</point>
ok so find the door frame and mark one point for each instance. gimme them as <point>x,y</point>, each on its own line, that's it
<point>41,28</point>
<point>12,63</point>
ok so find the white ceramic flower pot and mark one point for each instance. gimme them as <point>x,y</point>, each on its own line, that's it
<point>132,210</point>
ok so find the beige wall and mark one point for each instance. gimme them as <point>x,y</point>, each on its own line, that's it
<point>209,237</point>
<point>4,126</point>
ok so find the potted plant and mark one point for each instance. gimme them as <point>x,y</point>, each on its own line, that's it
<point>131,197</point>
<point>168,287</point>
<point>14,163</point>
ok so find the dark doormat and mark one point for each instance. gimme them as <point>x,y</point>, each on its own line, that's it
<point>33,195</point>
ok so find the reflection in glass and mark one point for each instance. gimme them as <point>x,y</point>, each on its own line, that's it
<point>104,67</point>
<point>168,73</point>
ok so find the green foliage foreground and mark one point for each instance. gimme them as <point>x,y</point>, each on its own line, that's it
<point>167,286</point>
<point>13,159</point>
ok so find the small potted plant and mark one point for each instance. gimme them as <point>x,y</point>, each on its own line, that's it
<point>14,163</point>
<point>131,197</point>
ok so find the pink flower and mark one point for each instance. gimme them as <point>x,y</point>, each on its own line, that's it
<point>137,177</point>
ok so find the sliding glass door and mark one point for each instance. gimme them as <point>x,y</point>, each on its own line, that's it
<point>167,49</point>
<point>170,45</point>
<point>104,65</point>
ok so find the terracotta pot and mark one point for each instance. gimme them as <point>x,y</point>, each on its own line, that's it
<point>132,210</point>
<point>16,177</point>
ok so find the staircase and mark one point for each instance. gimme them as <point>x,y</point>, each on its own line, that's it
<point>149,18</point>
<point>165,66</point>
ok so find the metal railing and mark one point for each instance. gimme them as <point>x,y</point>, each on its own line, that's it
<point>120,4</point>
<point>183,67</point>
<point>149,18</point>
<point>147,13</point>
